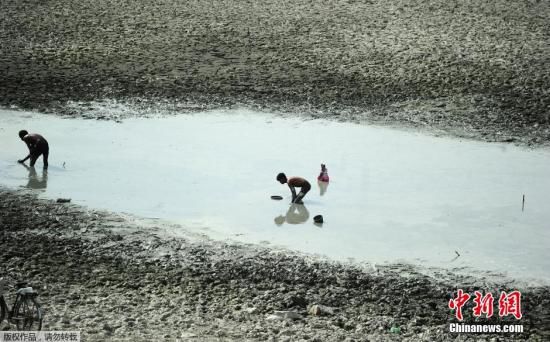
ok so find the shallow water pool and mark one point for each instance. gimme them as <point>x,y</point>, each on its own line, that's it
<point>393,195</point>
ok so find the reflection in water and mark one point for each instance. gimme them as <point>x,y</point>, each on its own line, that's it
<point>34,181</point>
<point>296,214</point>
<point>451,189</point>
<point>322,187</point>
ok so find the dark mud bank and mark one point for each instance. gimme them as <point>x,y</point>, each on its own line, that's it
<point>101,274</point>
<point>476,69</point>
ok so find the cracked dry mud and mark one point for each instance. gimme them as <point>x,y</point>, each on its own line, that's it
<point>475,69</point>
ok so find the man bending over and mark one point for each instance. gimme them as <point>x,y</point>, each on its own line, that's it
<point>293,183</point>
<point>37,146</point>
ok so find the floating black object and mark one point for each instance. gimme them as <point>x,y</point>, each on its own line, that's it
<point>276,197</point>
<point>318,219</point>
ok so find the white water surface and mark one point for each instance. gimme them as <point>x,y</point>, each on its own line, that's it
<point>394,196</point>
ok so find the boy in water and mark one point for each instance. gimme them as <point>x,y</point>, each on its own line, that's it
<point>293,183</point>
<point>37,146</point>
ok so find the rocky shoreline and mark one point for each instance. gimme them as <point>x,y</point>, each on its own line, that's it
<point>476,69</point>
<point>116,279</point>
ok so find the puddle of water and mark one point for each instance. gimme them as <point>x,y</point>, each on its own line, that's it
<point>393,195</point>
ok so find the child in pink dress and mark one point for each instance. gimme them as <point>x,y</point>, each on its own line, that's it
<point>323,176</point>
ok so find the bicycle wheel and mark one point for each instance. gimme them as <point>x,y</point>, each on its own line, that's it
<point>27,313</point>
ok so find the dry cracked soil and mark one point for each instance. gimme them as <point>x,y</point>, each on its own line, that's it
<point>477,69</point>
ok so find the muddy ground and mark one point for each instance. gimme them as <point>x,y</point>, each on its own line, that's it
<point>477,69</point>
<point>115,278</point>
<point>471,68</point>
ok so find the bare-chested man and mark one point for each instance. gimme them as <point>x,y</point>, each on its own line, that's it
<point>293,183</point>
<point>37,146</point>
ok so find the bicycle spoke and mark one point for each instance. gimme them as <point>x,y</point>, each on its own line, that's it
<point>27,314</point>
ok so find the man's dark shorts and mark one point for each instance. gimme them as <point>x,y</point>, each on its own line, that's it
<point>42,148</point>
<point>305,188</point>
